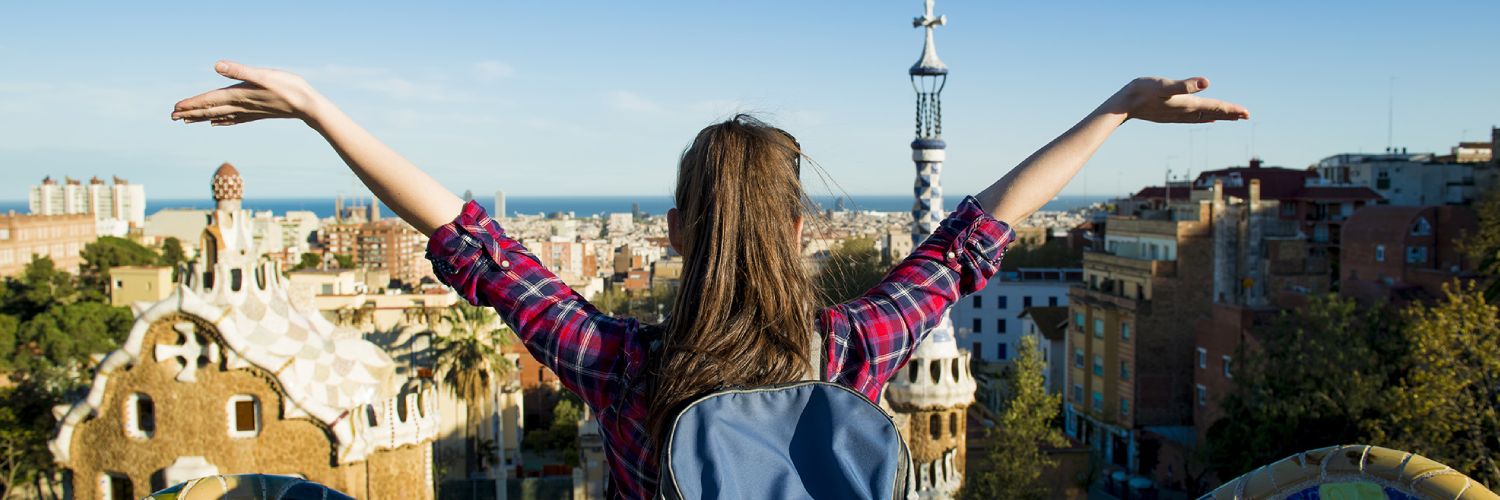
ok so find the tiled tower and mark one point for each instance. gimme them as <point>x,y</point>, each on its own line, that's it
<point>933,392</point>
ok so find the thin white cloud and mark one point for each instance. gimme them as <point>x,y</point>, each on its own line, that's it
<point>429,87</point>
<point>488,71</point>
<point>625,100</point>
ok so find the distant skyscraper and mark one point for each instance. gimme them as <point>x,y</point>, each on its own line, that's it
<point>934,392</point>
<point>499,205</point>
<point>120,201</point>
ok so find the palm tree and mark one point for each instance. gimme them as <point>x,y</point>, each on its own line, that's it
<point>471,363</point>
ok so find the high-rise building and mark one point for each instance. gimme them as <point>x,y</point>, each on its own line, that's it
<point>932,394</point>
<point>117,207</point>
<point>499,213</point>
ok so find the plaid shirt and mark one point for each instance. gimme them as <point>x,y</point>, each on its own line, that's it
<point>599,356</point>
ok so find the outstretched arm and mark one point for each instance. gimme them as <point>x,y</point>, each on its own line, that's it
<point>1035,181</point>
<point>268,93</point>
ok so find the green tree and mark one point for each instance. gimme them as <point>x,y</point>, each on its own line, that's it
<point>852,268</point>
<point>39,286</point>
<point>345,261</point>
<point>108,252</point>
<point>57,346</point>
<point>25,425</point>
<point>171,252</point>
<point>471,363</point>
<point>308,261</point>
<point>1015,450</point>
<point>1315,378</point>
<point>1484,245</point>
<point>1447,407</point>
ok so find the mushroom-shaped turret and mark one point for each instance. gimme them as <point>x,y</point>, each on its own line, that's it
<point>228,187</point>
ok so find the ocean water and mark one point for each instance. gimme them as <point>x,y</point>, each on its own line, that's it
<point>581,206</point>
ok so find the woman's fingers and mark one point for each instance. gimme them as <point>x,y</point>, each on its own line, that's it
<point>237,71</point>
<point>207,113</point>
<point>1186,86</point>
<point>1214,109</point>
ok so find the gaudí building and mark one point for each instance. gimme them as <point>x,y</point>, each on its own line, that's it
<point>227,376</point>
<point>932,393</point>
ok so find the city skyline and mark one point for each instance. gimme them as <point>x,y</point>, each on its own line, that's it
<point>487,101</point>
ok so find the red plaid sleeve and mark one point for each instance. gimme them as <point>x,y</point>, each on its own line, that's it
<point>871,337</point>
<point>592,353</point>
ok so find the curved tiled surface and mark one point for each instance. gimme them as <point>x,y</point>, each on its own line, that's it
<point>1353,471</point>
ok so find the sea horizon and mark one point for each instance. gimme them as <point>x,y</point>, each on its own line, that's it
<point>579,206</point>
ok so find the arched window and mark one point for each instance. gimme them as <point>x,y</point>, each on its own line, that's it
<point>953,423</point>
<point>936,367</point>
<point>911,373</point>
<point>140,416</point>
<point>956,376</point>
<point>935,426</point>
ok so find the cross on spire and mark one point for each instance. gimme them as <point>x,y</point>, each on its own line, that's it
<point>929,64</point>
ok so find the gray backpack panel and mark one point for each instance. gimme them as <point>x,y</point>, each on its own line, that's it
<point>801,440</point>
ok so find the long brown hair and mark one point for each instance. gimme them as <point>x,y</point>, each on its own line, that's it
<point>744,312</point>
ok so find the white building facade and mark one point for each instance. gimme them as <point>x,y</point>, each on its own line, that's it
<point>989,322</point>
<point>117,207</point>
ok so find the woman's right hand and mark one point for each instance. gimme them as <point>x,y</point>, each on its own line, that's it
<point>262,93</point>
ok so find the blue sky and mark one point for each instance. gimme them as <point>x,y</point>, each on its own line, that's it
<point>558,98</point>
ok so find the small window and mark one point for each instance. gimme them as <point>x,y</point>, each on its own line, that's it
<point>1098,401</point>
<point>1098,328</point>
<point>1202,395</point>
<point>953,424</point>
<point>935,426</point>
<point>1000,325</point>
<point>978,301</point>
<point>140,416</point>
<point>1379,253</point>
<point>115,486</point>
<point>1026,301</point>
<point>954,369</point>
<point>1124,330</point>
<point>1078,357</point>
<point>1002,352</point>
<point>1098,365</point>
<point>978,325</point>
<point>979,349</point>
<point>1002,301</point>
<point>1421,228</point>
<point>1124,371</point>
<point>1077,392</point>
<point>911,374</point>
<point>1202,358</point>
<point>1078,319</point>
<point>1124,408</point>
<point>1051,301</point>
<point>1227,362</point>
<point>936,369</point>
<point>1416,255</point>
<point>244,416</point>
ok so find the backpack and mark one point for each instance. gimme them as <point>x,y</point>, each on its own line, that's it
<point>806,439</point>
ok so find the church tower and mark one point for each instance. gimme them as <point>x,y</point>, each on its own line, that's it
<point>933,392</point>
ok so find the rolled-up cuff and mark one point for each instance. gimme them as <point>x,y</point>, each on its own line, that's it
<point>978,244</point>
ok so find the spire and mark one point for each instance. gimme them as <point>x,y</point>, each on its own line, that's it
<point>929,64</point>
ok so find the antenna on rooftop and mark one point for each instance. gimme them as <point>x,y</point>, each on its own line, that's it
<point>1390,115</point>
